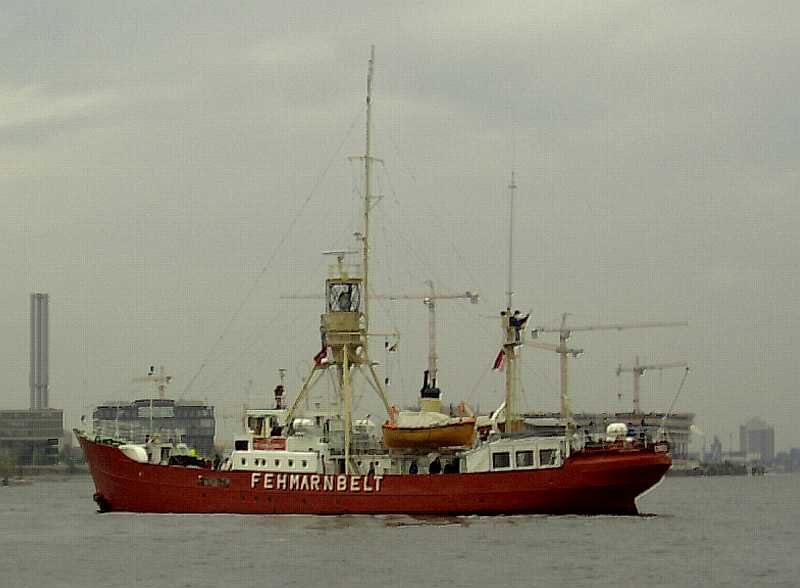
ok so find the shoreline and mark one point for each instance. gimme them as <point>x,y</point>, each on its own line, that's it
<point>47,472</point>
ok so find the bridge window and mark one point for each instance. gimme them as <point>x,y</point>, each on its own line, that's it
<point>501,460</point>
<point>548,457</point>
<point>524,459</point>
<point>240,445</point>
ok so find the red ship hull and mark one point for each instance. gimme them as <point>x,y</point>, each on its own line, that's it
<point>603,481</point>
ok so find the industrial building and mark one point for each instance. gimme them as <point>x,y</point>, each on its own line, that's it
<point>40,351</point>
<point>183,421</point>
<point>33,437</point>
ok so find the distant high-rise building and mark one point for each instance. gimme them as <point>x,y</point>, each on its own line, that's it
<point>757,440</point>
<point>40,347</point>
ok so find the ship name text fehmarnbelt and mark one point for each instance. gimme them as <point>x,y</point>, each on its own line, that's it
<point>316,482</point>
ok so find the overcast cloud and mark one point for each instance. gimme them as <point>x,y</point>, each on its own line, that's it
<point>153,157</point>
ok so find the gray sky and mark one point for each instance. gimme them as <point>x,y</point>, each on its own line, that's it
<point>154,157</point>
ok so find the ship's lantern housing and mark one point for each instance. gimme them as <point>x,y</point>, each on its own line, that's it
<point>341,323</point>
<point>344,295</point>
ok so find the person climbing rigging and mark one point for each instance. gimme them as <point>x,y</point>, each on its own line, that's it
<point>517,322</point>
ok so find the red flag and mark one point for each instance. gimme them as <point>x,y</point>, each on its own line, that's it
<point>322,357</point>
<point>499,360</point>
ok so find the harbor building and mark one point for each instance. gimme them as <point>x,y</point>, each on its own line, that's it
<point>33,437</point>
<point>757,441</point>
<point>676,427</point>
<point>183,421</point>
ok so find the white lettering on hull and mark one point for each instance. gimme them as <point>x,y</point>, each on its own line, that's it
<point>255,478</point>
<point>316,482</point>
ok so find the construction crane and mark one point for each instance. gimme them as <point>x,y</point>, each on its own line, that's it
<point>429,299</point>
<point>564,352</point>
<point>565,331</point>
<point>638,371</point>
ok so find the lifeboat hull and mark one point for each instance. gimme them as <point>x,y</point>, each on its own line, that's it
<point>421,438</point>
<point>598,482</point>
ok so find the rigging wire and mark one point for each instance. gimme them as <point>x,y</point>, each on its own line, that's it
<point>429,210</point>
<point>663,425</point>
<point>253,344</point>
<point>282,241</point>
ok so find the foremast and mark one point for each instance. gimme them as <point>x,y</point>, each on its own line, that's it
<point>344,325</point>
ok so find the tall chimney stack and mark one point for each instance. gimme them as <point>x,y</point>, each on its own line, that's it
<point>40,348</point>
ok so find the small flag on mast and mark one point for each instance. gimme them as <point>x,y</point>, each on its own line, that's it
<point>499,360</point>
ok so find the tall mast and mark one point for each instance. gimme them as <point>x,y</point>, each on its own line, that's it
<point>367,194</point>
<point>512,188</point>
<point>344,327</point>
<point>511,340</point>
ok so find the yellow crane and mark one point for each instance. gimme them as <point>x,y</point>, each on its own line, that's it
<point>429,299</point>
<point>638,371</point>
<point>565,331</point>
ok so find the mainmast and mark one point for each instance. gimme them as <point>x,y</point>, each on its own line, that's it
<point>511,331</point>
<point>512,188</point>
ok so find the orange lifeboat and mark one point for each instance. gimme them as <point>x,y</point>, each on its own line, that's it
<point>428,429</point>
<point>457,432</point>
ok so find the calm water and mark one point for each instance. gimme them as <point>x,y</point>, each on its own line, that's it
<point>699,532</point>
